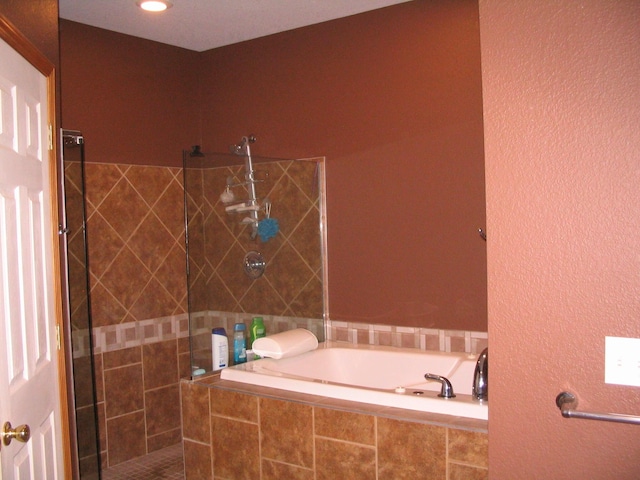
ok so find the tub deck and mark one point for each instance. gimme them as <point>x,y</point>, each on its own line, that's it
<point>384,376</point>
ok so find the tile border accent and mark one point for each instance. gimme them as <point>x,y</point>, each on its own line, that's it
<point>152,330</point>
<point>130,334</point>
<point>406,337</point>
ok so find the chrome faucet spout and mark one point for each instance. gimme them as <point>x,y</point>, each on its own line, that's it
<point>480,390</point>
<point>447,390</point>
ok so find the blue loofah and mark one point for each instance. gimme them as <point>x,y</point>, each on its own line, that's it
<point>268,228</point>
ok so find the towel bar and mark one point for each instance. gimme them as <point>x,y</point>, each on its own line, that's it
<point>567,402</point>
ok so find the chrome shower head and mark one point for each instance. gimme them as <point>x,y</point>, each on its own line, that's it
<point>196,152</point>
<point>242,148</point>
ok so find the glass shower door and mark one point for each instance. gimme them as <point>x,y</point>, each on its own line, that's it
<point>87,439</point>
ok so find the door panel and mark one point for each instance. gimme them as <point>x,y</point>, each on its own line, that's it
<point>29,376</point>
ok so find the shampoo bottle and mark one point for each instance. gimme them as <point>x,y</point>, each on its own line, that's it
<point>239,343</point>
<point>219,348</point>
<point>257,330</point>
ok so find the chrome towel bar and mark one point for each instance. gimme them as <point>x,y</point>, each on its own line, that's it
<point>567,402</point>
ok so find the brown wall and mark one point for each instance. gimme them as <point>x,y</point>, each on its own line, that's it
<point>38,21</point>
<point>562,109</point>
<point>391,97</point>
<point>135,101</point>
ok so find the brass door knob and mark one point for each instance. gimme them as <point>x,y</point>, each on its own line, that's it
<point>21,433</point>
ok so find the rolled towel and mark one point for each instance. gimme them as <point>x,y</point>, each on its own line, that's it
<point>285,344</point>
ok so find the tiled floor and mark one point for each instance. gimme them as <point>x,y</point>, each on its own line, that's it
<point>167,464</point>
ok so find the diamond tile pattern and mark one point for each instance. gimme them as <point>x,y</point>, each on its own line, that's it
<point>135,233</point>
<point>292,282</point>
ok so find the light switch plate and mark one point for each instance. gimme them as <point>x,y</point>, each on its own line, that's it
<point>622,361</point>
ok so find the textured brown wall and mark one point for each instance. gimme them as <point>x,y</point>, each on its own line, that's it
<point>135,101</point>
<point>562,109</point>
<point>38,21</point>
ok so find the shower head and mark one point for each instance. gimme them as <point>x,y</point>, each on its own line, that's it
<point>196,152</point>
<point>242,147</point>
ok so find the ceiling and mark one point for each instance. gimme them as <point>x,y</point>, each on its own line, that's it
<point>205,24</point>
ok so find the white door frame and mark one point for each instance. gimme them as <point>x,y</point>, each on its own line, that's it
<point>12,36</point>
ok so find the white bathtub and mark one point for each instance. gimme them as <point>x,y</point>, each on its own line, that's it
<point>377,375</point>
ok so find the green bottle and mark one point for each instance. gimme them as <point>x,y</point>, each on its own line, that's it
<point>257,330</point>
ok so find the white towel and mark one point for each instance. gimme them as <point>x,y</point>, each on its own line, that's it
<point>285,344</point>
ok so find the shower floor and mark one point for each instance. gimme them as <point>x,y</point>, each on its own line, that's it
<point>167,463</point>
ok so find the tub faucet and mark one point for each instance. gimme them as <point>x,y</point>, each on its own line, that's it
<point>480,390</point>
<point>447,390</point>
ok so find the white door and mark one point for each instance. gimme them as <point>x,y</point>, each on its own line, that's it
<point>29,382</point>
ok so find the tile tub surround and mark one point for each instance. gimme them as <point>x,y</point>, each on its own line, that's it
<point>238,431</point>
<point>121,351</point>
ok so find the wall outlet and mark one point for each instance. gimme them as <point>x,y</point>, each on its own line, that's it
<point>622,361</point>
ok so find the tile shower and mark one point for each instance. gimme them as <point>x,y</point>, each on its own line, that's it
<point>290,292</point>
<point>139,303</point>
<point>135,232</point>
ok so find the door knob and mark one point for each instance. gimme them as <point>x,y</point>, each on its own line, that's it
<point>21,433</point>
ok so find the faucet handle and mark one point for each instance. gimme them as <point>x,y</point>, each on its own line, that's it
<point>447,390</point>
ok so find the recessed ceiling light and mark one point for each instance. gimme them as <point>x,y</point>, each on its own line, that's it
<point>154,5</point>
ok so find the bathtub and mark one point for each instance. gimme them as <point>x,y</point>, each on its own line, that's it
<point>383,376</point>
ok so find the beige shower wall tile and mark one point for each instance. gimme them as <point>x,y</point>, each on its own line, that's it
<point>162,410</point>
<point>123,208</point>
<point>345,461</point>
<point>288,273</point>
<point>308,303</point>
<point>151,242</point>
<point>105,308</point>
<point>290,288</point>
<point>465,472</point>
<point>263,297</point>
<point>124,379</point>
<point>234,405</point>
<point>100,179</point>
<point>279,471</point>
<point>341,425</point>
<point>410,450</point>
<point>122,357</point>
<point>196,419</point>
<point>305,238</point>
<point>160,364</point>
<point>150,182</point>
<point>124,438</point>
<point>469,447</point>
<point>125,278</point>
<point>235,449</point>
<point>197,461</point>
<point>136,239</point>
<point>286,432</point>
<point>154,301</point>
<point>170,209</point>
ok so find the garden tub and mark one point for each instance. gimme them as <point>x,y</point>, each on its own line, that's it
<point>383,376</point>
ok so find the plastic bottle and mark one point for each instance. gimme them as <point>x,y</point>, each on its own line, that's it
<point>219,348</point>
<point>257,330</point>
<point>239,343</point>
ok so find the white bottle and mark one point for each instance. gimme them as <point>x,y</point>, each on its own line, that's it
<point>219,348</point>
